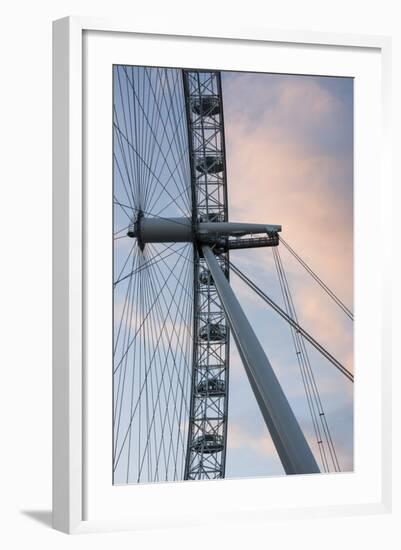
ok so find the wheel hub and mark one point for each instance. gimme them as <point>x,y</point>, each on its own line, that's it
<point>212,233</point>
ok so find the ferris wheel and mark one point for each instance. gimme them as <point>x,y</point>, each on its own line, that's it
<point>174,308</point>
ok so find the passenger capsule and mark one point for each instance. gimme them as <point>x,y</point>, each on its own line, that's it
<point>214,332</point>
<point>208,443</point>
<point>210,164</point>
<point>207,105</point>
<point>214,387</point>
<point>205,277</point>
<point>212,217</point>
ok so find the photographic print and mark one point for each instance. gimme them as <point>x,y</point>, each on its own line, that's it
<point>233,274</point>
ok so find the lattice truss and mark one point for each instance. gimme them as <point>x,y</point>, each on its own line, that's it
<point>207,434</point>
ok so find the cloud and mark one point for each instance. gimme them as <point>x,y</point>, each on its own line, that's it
<point>289,157</point>
<point>238,437</point>
<point>279,172</point>
<point>262,445</point>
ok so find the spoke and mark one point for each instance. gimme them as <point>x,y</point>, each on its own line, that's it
<point>131,171</point>
<point>157,180</point>
<point>119,279</point>
<point>165,155</point>
<point>126,207</point>
<point>142,383</point>
<point>150,262</point>
<point>137,332</point>
<point>171,393</point>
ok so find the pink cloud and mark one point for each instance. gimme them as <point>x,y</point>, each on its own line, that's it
<point>239,437</point>
<point>276,176</point>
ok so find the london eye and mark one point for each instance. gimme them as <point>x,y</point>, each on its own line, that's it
<point>175,312</point>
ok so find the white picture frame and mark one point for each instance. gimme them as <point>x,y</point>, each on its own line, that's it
<point>70,425</point>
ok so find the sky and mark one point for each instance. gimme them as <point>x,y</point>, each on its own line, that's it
<point>289,156</point>
<point>289,148</point>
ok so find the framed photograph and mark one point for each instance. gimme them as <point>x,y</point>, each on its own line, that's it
<point>219,202</point>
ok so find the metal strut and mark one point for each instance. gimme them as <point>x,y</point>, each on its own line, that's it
<point>292,447</point>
